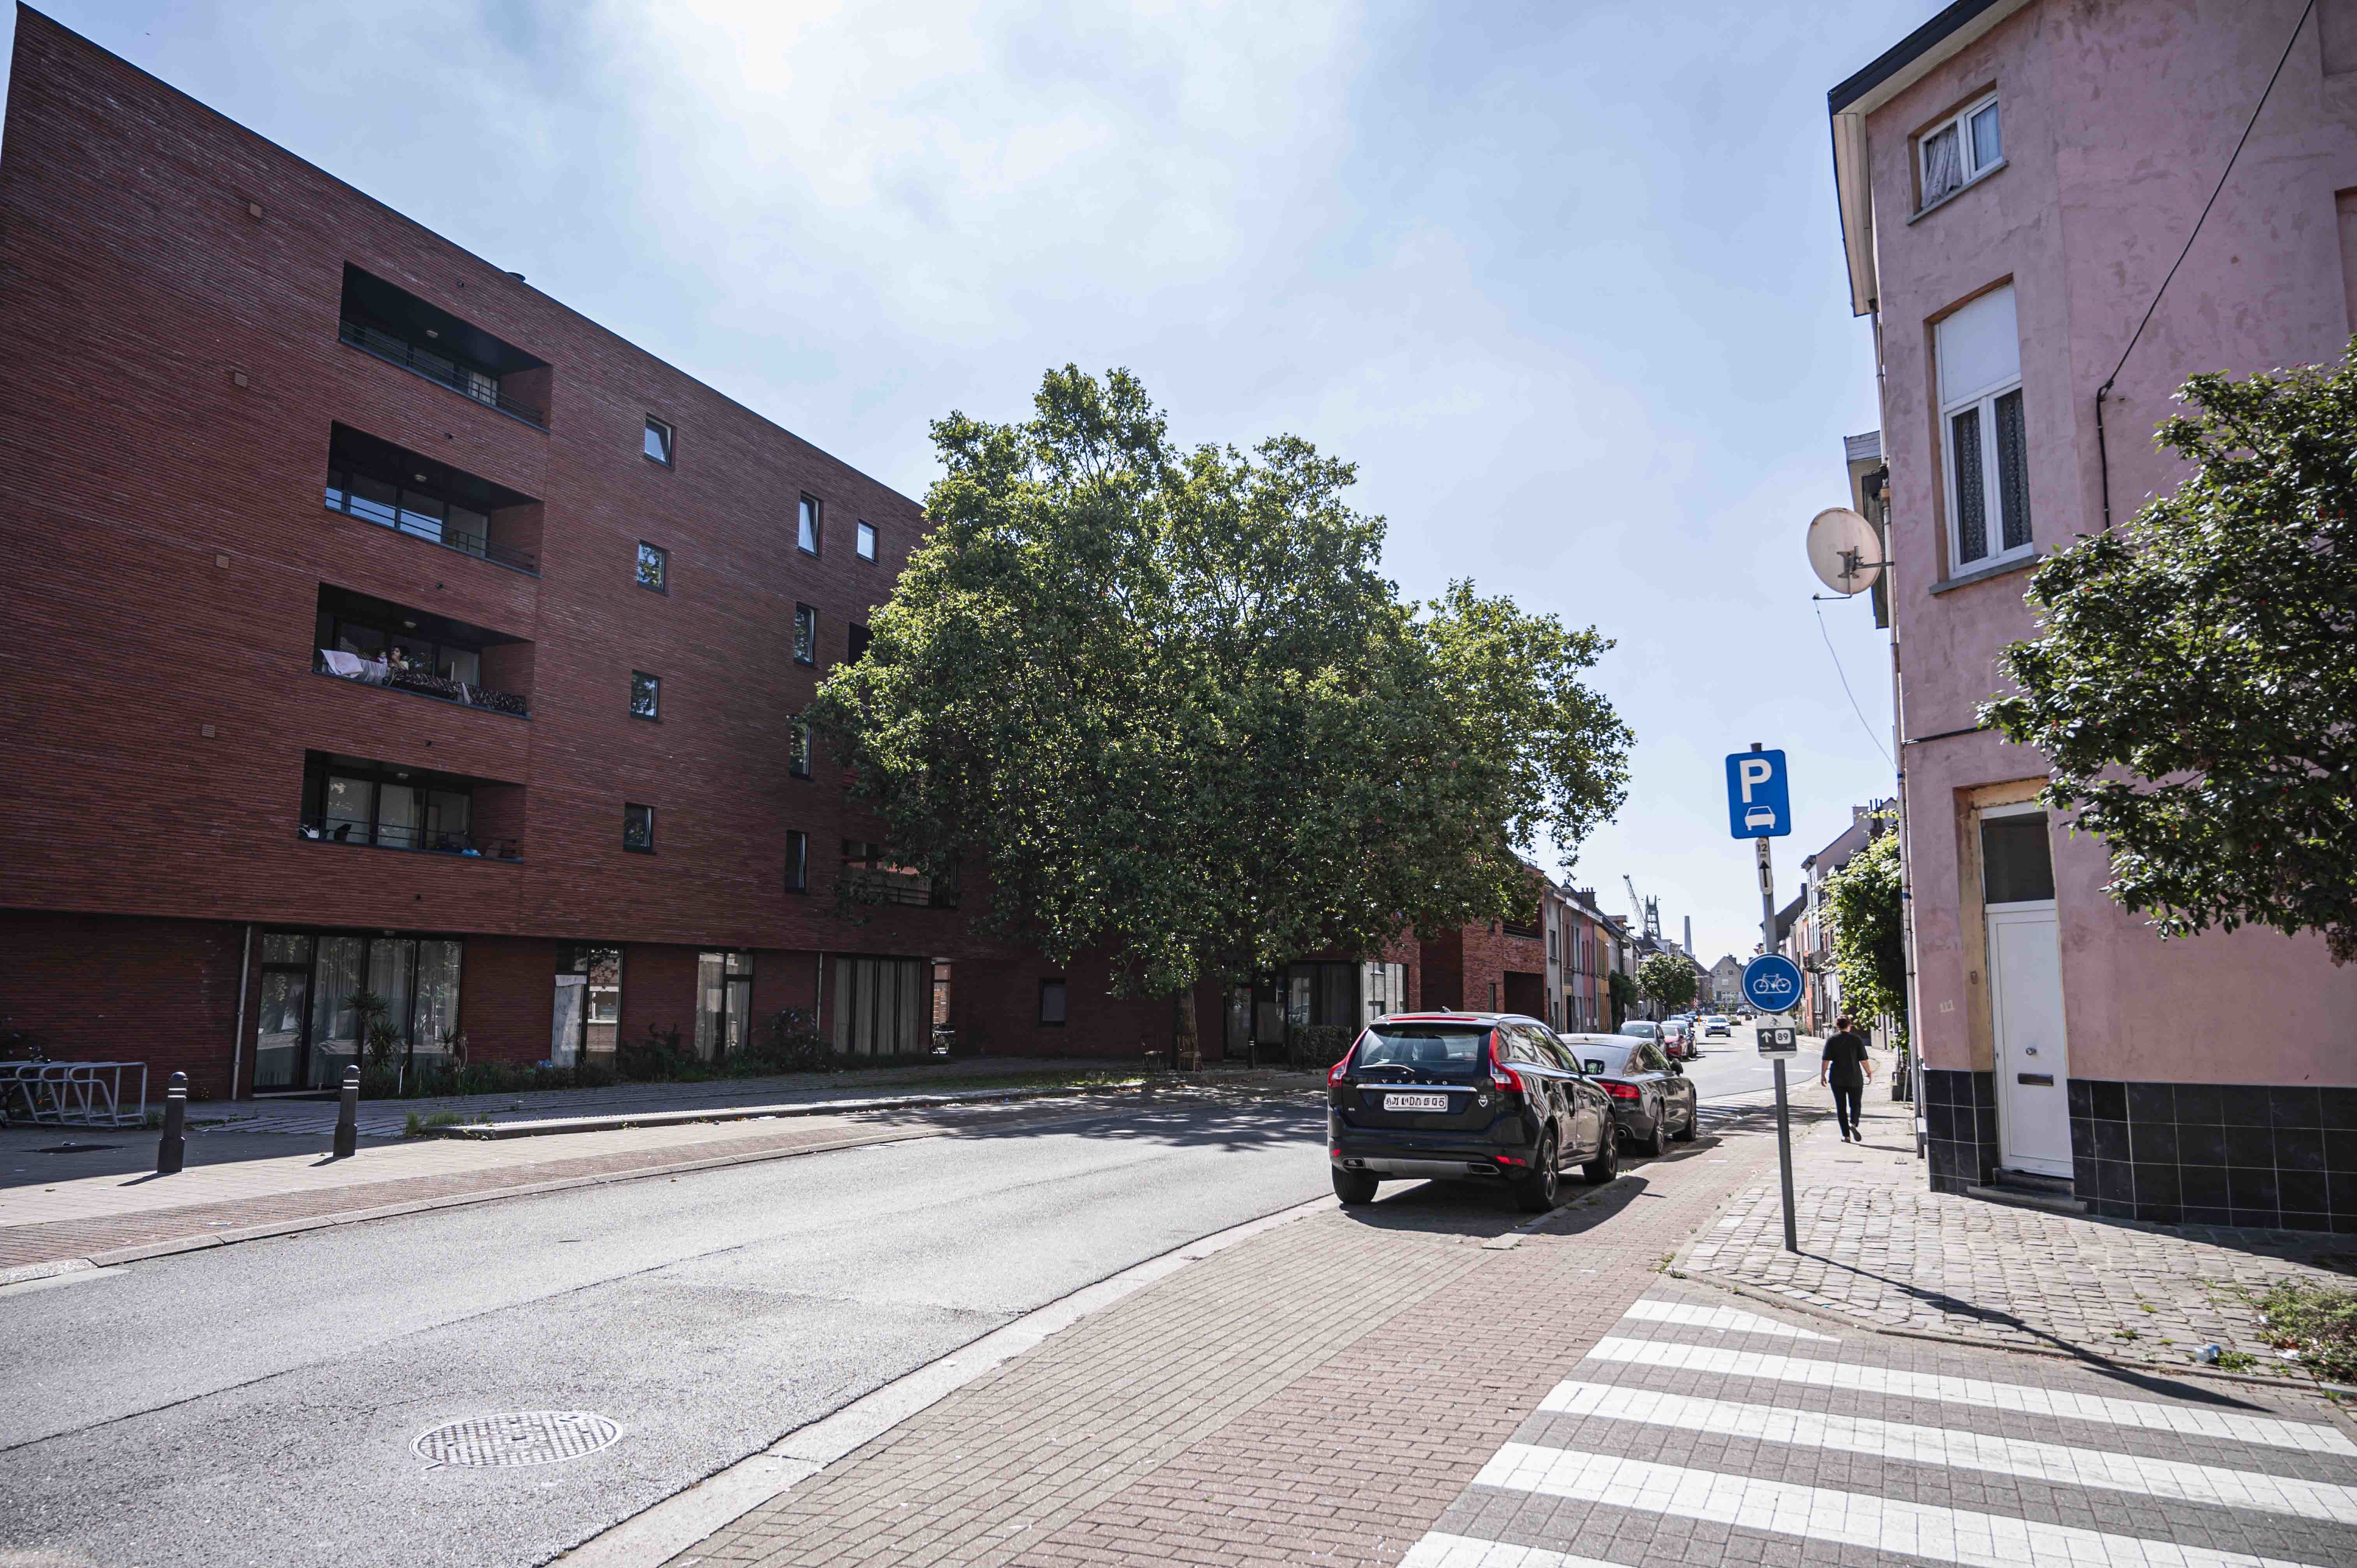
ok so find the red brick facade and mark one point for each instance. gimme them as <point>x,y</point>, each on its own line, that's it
<point>175,286</point>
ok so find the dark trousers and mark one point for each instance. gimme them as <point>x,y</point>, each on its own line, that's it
<point>1845,1106</point>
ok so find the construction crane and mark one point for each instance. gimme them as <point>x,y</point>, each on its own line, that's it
<point>1649,911</point>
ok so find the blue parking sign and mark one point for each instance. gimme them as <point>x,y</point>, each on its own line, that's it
<point>1758,800</point>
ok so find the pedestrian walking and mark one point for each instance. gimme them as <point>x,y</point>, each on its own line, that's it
<point>1846,1067</point>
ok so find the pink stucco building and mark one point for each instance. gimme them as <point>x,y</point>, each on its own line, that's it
<point>2015,178</point>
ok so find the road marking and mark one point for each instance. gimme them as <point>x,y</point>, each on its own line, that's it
<point>1848,1519</point>
<point>1963,1450</point>
<point>2190,1420</point>
<point>1697,1316</point>
<point>1440,1551</point>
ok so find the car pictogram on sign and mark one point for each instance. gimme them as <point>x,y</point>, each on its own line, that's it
<point>1759,817</point>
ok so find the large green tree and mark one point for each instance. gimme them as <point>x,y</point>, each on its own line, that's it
<point>1869,949</point>
<point>1667,979</point>
<point>2194,689</point>
<point>1163,701</point>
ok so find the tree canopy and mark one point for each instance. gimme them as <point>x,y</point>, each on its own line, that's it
<point>1667,979</point>
<point>2194,689</point>
<point>1163,701</point>
<point>1869,949</point>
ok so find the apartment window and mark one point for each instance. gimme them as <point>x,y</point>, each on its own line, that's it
<point>859,640</point>
<point>308,1031</point>
<point>658,445</point>
<point>798,749</point>
<point>1959,152</point>
<point>1051,1001</point>
<point>805,635</point>
<point>646,695</point>
<point>638,829</point>
<point>866,542</point>
<point>797,861</point>
<point>1983,432</point>
<point>806,540</point>
<point>654,567</point>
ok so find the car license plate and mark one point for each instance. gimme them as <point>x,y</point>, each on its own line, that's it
<point>1416,1103</point>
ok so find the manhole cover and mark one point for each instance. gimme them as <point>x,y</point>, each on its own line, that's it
<point>518,1437</point>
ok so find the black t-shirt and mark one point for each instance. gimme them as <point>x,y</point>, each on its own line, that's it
<point>1845,1060</point>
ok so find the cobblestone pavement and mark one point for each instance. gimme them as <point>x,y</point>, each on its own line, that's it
<point>1316,1394</point>
<point>1878,1247</point>
<point>1697,1433</point>
<point>104,1205</point>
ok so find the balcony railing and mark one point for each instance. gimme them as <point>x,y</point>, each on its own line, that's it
<point>374,674</point>
<point>874,885</point>
<point>426,526</point>
<point>414,840</point>
<point>439,368</point>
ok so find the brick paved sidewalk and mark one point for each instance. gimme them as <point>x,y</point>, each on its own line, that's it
<point>1879,1248</point>
<point>387,1118</point>
<point>1318,1393</point>
<point>236,1187</point>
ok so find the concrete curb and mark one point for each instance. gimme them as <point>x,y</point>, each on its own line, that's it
<point>558,1126</point>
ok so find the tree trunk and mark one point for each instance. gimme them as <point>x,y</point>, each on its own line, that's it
<point>1186,1049</point>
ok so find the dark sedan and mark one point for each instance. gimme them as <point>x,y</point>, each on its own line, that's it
<point>1472,1096</point>
<point>1653,1099</point>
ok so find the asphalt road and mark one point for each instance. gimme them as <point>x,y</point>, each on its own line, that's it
<point>257,1404</point>
<point>1734,1066</point>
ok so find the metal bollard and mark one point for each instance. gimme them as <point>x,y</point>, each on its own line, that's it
<point>347,1116</point>
<point>174,1146</point>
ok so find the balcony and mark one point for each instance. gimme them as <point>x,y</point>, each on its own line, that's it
<point>383,805</point>
<point>869,877</point>
<point>375,643</point>
<point>377,482</point>
<point>397,327</point>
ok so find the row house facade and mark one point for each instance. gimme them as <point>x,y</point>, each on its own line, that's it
<point>2017,181</point>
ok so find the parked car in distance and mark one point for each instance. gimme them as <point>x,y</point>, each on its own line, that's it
<point>1642,1029</point>
<point>1677,1038</point>
<point>1653,1099</point>
<point>1719,1027</point>
<point>1490,1097</point>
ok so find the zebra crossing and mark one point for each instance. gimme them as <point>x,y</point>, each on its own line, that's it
<point>1697,1433</point>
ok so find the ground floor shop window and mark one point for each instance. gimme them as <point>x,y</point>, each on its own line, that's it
<point>329,999</point>
<point>882,1006</point>
<point>724,1008</point>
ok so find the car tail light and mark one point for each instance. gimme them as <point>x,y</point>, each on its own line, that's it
<point>1340,1070</point>
<point>1622,1090</point>
<point>1504,1077</point>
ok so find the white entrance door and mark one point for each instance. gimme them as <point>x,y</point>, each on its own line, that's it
<point>2025,959</point>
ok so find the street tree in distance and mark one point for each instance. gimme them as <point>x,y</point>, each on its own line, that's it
<point>1163,702</point>
<point>1869,949</point>
<point>1667,979</point>
<point>2194,691</point>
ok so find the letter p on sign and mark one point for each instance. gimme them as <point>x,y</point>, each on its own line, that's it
<point>1759,796</point>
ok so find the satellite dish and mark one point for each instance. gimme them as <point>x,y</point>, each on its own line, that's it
<point>1844,551</point>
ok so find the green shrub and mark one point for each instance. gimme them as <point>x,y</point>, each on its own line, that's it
<point>658,1059</point>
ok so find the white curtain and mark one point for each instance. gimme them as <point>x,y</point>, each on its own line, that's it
<point>1943,166</point>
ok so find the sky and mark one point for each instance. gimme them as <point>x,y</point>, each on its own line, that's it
<point>1564,280</point>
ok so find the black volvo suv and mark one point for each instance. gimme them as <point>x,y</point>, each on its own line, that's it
<point>1465,1096</point>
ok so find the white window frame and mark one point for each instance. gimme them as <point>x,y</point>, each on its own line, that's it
<point>1983,401</point>
<point>1961,123</point>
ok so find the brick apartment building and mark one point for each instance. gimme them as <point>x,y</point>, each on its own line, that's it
<point>502,732</point>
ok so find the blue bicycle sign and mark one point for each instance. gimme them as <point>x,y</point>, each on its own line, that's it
<point>1772,982</point>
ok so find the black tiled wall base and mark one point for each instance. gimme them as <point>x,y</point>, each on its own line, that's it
<point>1960,1126</point>
<point>2212,1153</point>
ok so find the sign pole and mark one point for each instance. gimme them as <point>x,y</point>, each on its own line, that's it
<point>1783,1106</point>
